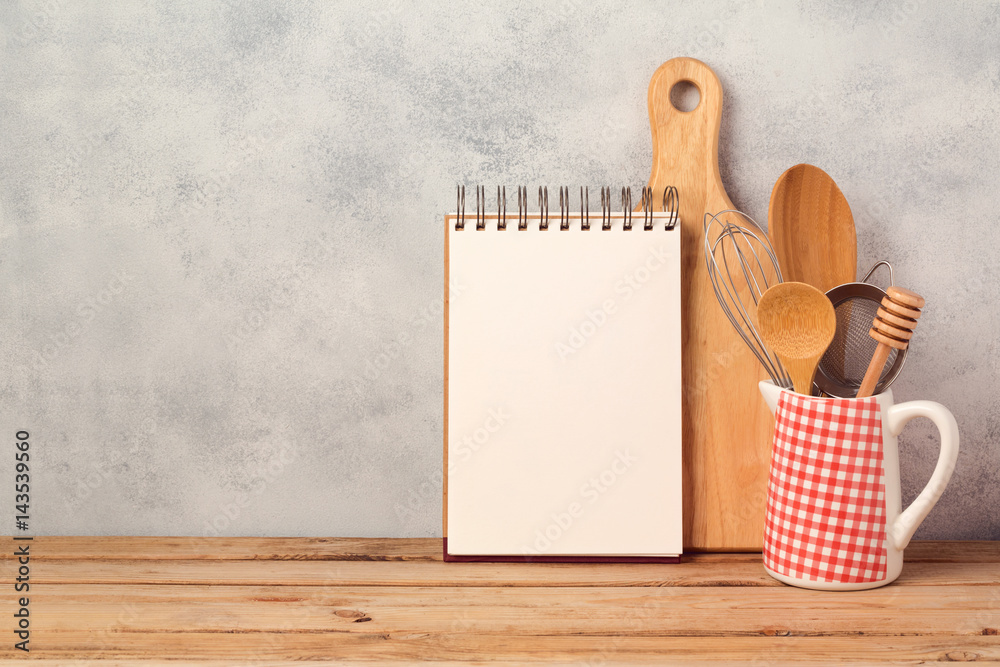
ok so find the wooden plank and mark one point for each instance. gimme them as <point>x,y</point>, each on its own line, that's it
<point>229,548</point>
<point>396,573</point>
<point>913,596</point>
<point>919,551</point>
<point>894,596</point>
<point>433,573</point>
<point>719,612</point>
<point>376,549</point>
<point>387,647</point>
<point>955,552</point>
<point>153,662</point>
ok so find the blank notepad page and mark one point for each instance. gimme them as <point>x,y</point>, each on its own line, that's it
<point>564,390</point>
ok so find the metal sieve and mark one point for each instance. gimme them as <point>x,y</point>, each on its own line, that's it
<point>843,367</point>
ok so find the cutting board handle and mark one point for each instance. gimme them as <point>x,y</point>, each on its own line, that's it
<point>685,140</point>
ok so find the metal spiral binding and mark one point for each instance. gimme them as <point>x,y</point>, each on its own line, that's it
<point>627,208</point>
<point>543,207</point>
<point>480,208</point>
<point>605,208</point>
<point>460,209</point>
<point>647,208</point>
<point>563,208</point>
<point>671,206</point>
<point>501,209</point>
<point>522,208</point>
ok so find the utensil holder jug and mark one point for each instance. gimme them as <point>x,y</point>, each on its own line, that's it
<point>834,510</point>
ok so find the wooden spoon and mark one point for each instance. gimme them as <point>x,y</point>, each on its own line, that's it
<point>797,322</point>
<point>812,229</point>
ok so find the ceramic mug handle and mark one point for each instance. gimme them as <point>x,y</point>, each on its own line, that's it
<point>897,416</point>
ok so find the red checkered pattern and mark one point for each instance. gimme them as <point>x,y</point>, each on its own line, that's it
<point>826,491</point>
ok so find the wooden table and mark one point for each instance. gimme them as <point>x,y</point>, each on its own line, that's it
<point>195,601</point>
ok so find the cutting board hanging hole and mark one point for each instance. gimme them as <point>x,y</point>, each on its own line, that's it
<point>685,96</point>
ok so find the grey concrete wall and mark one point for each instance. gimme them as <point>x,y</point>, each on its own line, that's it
<point>221,238</point>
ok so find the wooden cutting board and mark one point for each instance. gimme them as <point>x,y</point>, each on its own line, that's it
<point>727,427</point>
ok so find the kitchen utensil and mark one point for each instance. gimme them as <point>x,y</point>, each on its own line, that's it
<point>726,430</point>
<point>892,328</point>
<point>797,322</point>
<point>742,266</point>
<point>812,229</point>
<point>834,510</point>
<point>846,360</point>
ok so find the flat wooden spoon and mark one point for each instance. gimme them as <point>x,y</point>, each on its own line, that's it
<point>812,229</point>
<point>797,322</point>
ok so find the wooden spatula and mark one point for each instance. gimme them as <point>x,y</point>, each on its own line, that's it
<point>812,229</point>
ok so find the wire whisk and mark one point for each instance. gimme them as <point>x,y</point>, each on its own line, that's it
<point>742,266</point>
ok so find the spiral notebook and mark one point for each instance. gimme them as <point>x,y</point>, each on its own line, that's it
<point>563,381</point>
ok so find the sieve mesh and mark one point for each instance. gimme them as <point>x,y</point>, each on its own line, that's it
<point>847,358</point>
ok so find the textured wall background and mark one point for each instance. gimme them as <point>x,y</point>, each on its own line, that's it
<point>221,236</point>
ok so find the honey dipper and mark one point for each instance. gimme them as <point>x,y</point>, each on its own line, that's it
<point>892,328</point>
